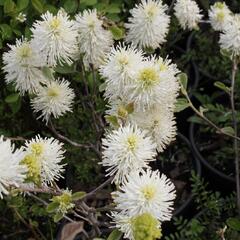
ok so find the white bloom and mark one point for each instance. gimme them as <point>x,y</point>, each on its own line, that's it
<point>230,38</point>
<point>187,13</point>
<point>21,17</point>
<point>43,160</point>
<point>160,123</point>
<point>56,98</point>
<point>125,150</point>
<point>219,15</point>
<point>23,67</point>
<point>94,40</point>
<point>119,69</point>
<point>146,192</point>
<point>149,24</point>
<point>152,85</point>
<point>11,172</point>
<point>55,37</point>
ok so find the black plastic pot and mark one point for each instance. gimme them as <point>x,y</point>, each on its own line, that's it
<point>198,169</point>
<point>213,171</point>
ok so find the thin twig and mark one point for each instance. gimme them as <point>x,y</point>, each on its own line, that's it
<point>235,143</point>
<point>219,130</point>
<point>99,187</point>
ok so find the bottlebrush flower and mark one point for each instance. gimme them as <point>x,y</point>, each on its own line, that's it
<point>43,160</point>
<point>187,13</point>
<point>55,37</point>
<point>159,122</point>
<point>125,150</point>
<point>230,38</point>
<point>146,192</point>
<point>22,63</point>
<point>219,15</point>
<point>56,98</point>
<point>94,41</point>
<point>119,69</point>
<point>148,25</point>
<point>11,172</point>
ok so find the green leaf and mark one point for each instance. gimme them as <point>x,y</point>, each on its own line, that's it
<point>22,4</point>
<point>112,120</point>
<point>6,31</point>
<point>78,195</point>
<point>38,5</point>
<point>222,86</point>
<point>183,78</point>
<point>57,217</point>
<point>181,104</point>
<point>89,2</point>
<point>9,6</point>
<point>65,69</point>
<point>228,130</point>
<point>70,6</point>
<point>118,33</point>
<point>50,8</point>
<point>115,235</point>
<point>234,223</point>
<point>113,8</point>
<point>48,73</point>
<point>52,207</point>
<point>12,98</point>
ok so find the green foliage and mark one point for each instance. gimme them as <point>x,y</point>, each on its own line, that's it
<point>214,212</point>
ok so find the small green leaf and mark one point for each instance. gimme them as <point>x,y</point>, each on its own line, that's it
<point>234,223</point>
<point>102,87</point>
<point>181,104</point>
<point>113,8</point>
<point>9,6</point>
<point>78,195</point>
<point>6,31</point>
<point>48,73</point>
<point>22,4</point>
<point>222,86</point>
<point>118,33</point>
<point>115,235</point>
<point>183,78</point>
<point>228,130</point>
<point>12,98</point>
<point>52,207</point>
<point>57,217</point>
<point>70,6</point>
<point>112,120</point>
<point>38,5</point>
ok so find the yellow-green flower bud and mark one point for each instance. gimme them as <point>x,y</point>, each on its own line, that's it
<point>146,227</point>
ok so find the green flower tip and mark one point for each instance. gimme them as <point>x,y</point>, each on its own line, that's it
<point>146,227</point>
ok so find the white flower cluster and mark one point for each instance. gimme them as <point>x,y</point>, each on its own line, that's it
<point>56,40</point>
<point>148,25</point>
<point>228,23</point>
<point>142,92</point>
<point>36,163</point>
<point>187,13</point>
<point>219,16</point>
